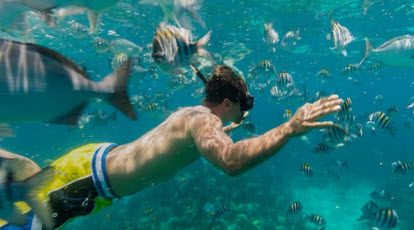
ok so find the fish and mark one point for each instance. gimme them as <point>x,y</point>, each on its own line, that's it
<point>101,45</point>
<point>324,73</point>
<point>403,168</point>
<point>380,120</point>
<point>398,52</point>
<point>294,208</point>
<point>66,8</point>
<point>152,107</point>
<point>179,11</point>
<point>306,169</point>
<point>410,106</point>
<point>249,127</point>
<point>336,136</point>
<point>380,217</point>
<point>20,178</point>
<point>382,196</point>
<point>125,46</point>
<point>264,68</point>
<point>173,48</point>
<point>350,69</point>
<point>316,219</point>
<point>290,39</point>
<point>341,37</point>
<point>284,79</point>
<point>78,30</point>
<point>50,88</point>
<point>215,211</point>
<point>322,149</point>
<point>270,34</point>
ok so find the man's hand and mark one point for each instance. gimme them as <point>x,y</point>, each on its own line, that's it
<point>227,129</point>
<point>306,116</point>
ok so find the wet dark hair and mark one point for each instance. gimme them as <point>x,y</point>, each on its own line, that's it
<point>225,84</point>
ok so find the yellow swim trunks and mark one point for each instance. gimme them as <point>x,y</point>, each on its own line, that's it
<point>80,185</point>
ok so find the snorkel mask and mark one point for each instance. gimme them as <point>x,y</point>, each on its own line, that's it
<point>246,102</point>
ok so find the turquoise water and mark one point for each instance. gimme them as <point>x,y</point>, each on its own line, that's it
<point>259,198</point>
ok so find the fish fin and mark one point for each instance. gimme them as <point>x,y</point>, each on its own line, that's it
<point>70,118</point>
<point>93,21</point>
<point>204,40</point>
<point>368,51</point>
<point>48,18</point>
<point>32,185</point>
<point>6,130</point>
<point>68,11</point>
<point>119,80</point>
<point>344,52</point>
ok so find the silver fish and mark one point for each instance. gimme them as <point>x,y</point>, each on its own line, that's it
<point>341,37</point>
<point>178,11</point>
<point>336,136</point>
<point>271,36</point>
<point>70,7</point>
<point>174,49</point>
<point>38,84</point>
<point>398,51</point>
<point>19,179</point>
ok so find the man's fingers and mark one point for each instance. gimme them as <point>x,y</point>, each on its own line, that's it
<point>325,99</point>
<point>324,112</point>
<point>332,103</point>
<point>319,124</point>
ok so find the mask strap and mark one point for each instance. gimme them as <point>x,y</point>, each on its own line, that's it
<point>199,74</point>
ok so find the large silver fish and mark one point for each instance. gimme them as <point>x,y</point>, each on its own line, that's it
<point>38,84</point>
<point>70,7</point>
<point>19,179</point>
<point>174,48</point>
<point>398,51</point>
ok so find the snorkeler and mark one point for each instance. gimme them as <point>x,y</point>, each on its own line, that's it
<point>89,177</point>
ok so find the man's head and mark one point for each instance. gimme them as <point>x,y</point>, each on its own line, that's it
<point>227,91</point>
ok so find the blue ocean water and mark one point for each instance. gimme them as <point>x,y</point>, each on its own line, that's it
<point>259,198</point>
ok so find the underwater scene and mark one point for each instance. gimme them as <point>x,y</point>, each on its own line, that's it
<point>125,66</point>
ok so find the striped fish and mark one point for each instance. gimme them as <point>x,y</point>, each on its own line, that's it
<point>306,169</point>
<point>217,213</point>
<point>173,48</point>
<point>119,60</point>
<point>324,73</point>
<point>336,136</point>
<point>264,68</point>
<point>350,69</point>
<point>316,219</point>
<point>101,45</point>
<point>249,127</point>
<point>380,120</point>
<point>380,217</point>
<point>321,149</point>
<point>404,168</point>
<point>284,79</point>
<point>294,208</point>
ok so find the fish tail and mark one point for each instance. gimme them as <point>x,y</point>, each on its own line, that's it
<point>31,186</point>
<point>368,50</point>
<point>118,81</point>
<point>200,43</point>
<point>268,26</point>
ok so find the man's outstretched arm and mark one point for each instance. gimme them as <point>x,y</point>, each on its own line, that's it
<point>235,158</point>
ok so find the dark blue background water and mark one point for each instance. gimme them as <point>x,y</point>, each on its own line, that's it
<point>259,198</point>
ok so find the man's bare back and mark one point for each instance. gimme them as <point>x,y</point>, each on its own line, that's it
<point>158,154</point>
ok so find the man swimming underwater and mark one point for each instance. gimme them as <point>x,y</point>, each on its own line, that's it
<point>91,176</point>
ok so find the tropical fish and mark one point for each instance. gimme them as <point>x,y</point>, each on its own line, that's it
<point>380,120</point>
<point>324,73</point>
<point>290,39</point>
<point>306,169</point>
<point>179,11</point>
<point>249,127</point>
<point>215,211</point>
<point>173,48</point>
<point>341,37</point>
<point>264,68</point>
<point>40,85</point>
<point>294,208</point>
<point>284,79</point>
<point>350,69</point>
<point>70,7</point>
<point>322,149</point>
<point>19,179</point>
<point>119,60</point>
<point>101,45</point>
<point>317,220</point>
<point>404,168</point>
<point>398,51</point>
<point>336,136</point>
<point>271,36</point>
<point>380,217</point>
